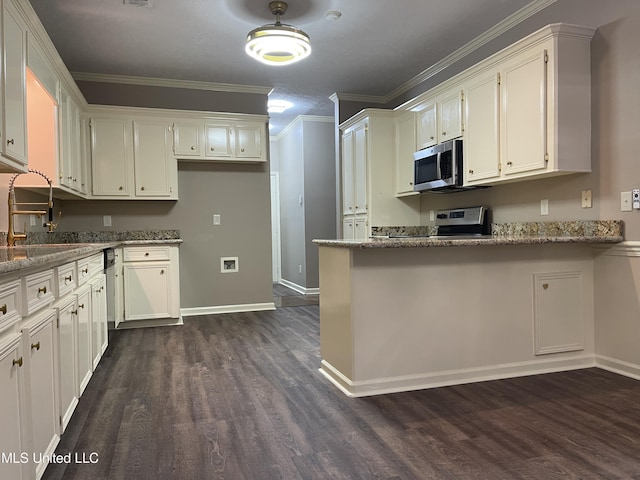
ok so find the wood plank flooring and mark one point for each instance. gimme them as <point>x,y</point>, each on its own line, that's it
<point>239,396</point>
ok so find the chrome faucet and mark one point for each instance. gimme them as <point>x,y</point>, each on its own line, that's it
<point>12,236</point>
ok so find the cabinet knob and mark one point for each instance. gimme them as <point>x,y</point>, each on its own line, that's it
<point>74,312</point>
<point>68,279</point>
<point>120,187</point>
<point>42,290</point>
<point>471,172</point>
<point>212,149</point>
<point>444,133</point>
<point>85,271</point>
<point>192,147</point>
<point>81,306</point>
<point>17,361</point>
<point>142,188</point>
<point>3,309</point>
<point>69,177</point>
<point>410,183</point>
<point>35,345</point>
<point>430,138</point>
<point>146,254</point>
<point>242,149</point>
<point>10,142</point>
<point>161,272</point>
<point>509,164</point>
<point>545,285</point>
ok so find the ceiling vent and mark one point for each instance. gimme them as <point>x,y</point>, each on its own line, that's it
<point>139,3</point>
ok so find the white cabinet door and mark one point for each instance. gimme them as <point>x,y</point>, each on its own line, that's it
<point>360,158</point>
<point>426,125</point>
<point>482,121</point>
<point>248,141</point>
<point>405,148</point>
<point>83,337</point>
<point>112,157</point>
<point>13,440</point>
<point>348,228</point>
<point>71,170</point>
<point>147,290</point>
<point>153,161</point>
<point>188,140</point>
<point>449,116</point>
<point>40,342</point>
<point>14,138</point>
<point>67,334</point>
<point>523,136</point>
<point>348,200</point>
<point>361,228</point>
<point>218,140</point>
<point>99,333</point>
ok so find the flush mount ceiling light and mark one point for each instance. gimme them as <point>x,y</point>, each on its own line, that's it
<point>278,106</point>
<point>277,43</point>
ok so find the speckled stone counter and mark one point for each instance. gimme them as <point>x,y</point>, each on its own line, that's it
<point>517,233</point>
<point>43,249</point>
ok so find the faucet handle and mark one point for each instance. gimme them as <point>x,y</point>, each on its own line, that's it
<point>51,225</point>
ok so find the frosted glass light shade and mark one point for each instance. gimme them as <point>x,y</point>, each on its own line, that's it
<point>278,44</point>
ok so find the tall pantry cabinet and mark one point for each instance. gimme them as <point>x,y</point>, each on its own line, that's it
<point>368,169</point>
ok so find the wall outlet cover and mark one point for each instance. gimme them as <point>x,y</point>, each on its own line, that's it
<point>625,202</point>
<point>544,206</point>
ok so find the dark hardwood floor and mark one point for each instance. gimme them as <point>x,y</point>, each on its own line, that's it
<point>239,396</point>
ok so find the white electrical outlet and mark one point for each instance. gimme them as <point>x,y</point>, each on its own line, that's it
<point>106,220</point>
<point>216,219</point>
<point>635,196</point>
<point>586,198</point>
<point>32,220</point>
<point>544,206</point>
<point>625,202</point>
<point>432,215</point>
<point>299,268</point>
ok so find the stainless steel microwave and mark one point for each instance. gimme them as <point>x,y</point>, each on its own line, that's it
<point>439,168</point>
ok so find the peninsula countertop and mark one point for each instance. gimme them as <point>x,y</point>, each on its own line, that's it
<point>515,233</point>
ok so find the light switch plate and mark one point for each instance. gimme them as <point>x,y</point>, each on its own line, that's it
<point>625,202</point>
<point>544,206</point>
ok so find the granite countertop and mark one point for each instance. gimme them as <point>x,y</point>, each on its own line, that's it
<point>516,233</point>
<point>59,248</point>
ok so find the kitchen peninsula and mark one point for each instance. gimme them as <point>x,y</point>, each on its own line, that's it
<point>400,314</point>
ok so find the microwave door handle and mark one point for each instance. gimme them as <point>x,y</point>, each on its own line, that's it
<point>438,169</point>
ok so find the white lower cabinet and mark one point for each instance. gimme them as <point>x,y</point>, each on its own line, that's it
<point>40,342</point>
<point>151,282</point>
<point>67,341</point>
<point>99,333</point>
<point>83,346</point>
<point>13,414</point>
<point>53,336</point>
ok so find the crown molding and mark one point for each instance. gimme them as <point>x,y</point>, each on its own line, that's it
<point>494,32</point>
<point>301,119</point>
<point>170,83</point>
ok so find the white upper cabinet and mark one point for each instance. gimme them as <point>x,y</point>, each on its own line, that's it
<point>439,118</point>
<point>528,111</point>
<point>155,166</point>
<point>482,137</point>
<point>112,156</point>
<point>224,139</point>
<point>13,144</point>
<point>132,158</point>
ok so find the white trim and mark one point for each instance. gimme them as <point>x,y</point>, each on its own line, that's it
<point>170,83</point>
<point>276,233</point>
<point>446,378</point>
<point>299,288</point>
<point>622,249</point>
<point>491,34</point>
<point>216,309</point>
<point>177,115</point>
<point>301,119</point>
<point>621,367</point>
<point>161,322</point>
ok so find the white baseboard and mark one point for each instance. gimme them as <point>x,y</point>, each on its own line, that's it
<point>299,288</point>
<point>160,322</point>
<point>618,366</point>
<point>451,377</point>
<point>216,309</point>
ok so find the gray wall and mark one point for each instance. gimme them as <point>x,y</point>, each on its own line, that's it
<point>307,168</point>
<point>240,193</point>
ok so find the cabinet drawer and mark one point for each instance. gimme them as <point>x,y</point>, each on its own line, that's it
<point>96,264</point>
<point>37,291</point>
<point>84,271</point>
<point>147,253</point>
<point>66,279</point>
<point>9,304</point>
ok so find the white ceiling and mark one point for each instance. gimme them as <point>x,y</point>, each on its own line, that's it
<point>375,47</point>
